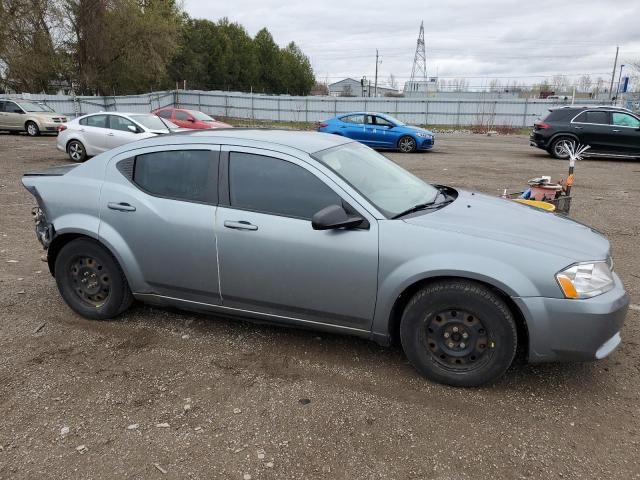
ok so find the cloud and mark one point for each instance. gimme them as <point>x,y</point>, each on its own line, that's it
<point>478,40</point>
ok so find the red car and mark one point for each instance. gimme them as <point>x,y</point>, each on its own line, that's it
<point>189,118</point>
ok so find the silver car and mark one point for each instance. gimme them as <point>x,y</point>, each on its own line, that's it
<point>92,134</point>
<point>315,230</point>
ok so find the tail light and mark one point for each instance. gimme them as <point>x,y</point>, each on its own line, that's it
<point>540,125</point>
<point>322,124</point>
<point>61,128</point>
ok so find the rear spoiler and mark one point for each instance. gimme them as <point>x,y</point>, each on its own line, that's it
<point>53,171</point>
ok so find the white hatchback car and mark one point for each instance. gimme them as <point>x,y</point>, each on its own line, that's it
<point>95,133</point>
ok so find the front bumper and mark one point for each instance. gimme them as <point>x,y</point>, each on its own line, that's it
<point>426,143</point>
<point>574,330</point>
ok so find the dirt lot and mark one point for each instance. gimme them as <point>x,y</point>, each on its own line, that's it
<point>241,400</point>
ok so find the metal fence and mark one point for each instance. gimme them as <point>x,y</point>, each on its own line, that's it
<point>426,111</point>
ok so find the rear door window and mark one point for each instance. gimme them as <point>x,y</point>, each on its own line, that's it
<point>596,117</point>
<point>270,185</point>
<point>99,121</point>
<point>165,114</point>
<point>189,175</point>
<point>182,116</point>
<point>353,119</point>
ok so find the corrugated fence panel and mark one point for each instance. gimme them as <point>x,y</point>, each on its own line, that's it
<point>464,111</point>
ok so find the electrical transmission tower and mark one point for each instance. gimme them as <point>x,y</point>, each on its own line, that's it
<point>419,70</point>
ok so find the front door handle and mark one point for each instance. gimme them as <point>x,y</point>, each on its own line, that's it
<point>122,207</point>
<point>578,128</point>
<point>615,130</point>
<point>110,134</point>
<point>241,225</point>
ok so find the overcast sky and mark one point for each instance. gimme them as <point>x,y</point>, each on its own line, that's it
<point>478,40</point>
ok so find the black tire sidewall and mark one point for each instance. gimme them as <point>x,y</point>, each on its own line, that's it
<point>119,293</point>
<point>482,303</point>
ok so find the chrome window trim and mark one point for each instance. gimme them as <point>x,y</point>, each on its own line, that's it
<point>589,123</point>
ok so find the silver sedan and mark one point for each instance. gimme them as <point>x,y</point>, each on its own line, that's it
<point>318,231</point>
<point>92,134</point>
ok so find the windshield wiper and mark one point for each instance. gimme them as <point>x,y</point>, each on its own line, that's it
<point>425,206</point>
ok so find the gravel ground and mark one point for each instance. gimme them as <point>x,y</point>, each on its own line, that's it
<point>167,394</point>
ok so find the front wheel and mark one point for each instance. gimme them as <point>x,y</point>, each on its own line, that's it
<point>407,144</point>
<point>32,129</point>
<point>76,151</point>
<point>458,332</point>
<point>91,281</point>
<point>560,147</point>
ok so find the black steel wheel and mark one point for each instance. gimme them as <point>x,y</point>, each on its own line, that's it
<point>459,332</point>
<point>407,144</point>
<point>91,281</point>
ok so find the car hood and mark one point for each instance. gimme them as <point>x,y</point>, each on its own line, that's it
<point>418,129</point>
<point>503,220</point>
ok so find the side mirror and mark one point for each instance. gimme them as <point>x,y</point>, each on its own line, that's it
<point>133,129</point>
<point>192,120</point>
<point>333,217</point>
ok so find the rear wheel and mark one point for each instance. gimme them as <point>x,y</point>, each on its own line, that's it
<point>559,147</point>
<point>76,151</point>
<point>91,281</point>
<point>458,332</point>
<point>32,129</point>
<point>407,144</point>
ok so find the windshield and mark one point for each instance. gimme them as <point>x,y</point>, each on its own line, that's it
<point>393,120</point>
<point>153,122</point>
<point>385,184</point>
<point>201,116</point>
<point>35,107</point>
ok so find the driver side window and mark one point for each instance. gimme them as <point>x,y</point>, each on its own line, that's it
<point>273,186</point>
<point>121,123</point>
<point>625,120</point>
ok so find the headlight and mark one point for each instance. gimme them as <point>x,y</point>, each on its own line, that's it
<point>423,134</point>
<point>585,280</point>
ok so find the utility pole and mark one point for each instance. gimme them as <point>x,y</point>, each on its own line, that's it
<point>375,88</point>
<point>613,74</point>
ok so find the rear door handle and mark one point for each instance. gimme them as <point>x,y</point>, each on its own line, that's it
<point>241,225</point>
<point>110,134</point>
<point>578,128</point>
<point>121,207</point>
<point>615,130</point>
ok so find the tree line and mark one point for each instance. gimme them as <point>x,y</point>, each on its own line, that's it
<point>118,47</point>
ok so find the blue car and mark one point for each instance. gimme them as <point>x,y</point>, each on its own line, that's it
<point>379,131</point>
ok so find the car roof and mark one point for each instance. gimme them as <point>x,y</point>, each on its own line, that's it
<point>361,113</point>
<point>590,107</point>
<point>269,139</point>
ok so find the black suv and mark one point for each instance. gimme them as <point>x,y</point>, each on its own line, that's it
<point>610,131</point>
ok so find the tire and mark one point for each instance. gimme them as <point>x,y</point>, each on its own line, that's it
<point>407,144</point>
<point>459,333</point>
<point>91,281</point>
<point>556,148</point>
<point>32,129</point>
<point>76,151</point>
